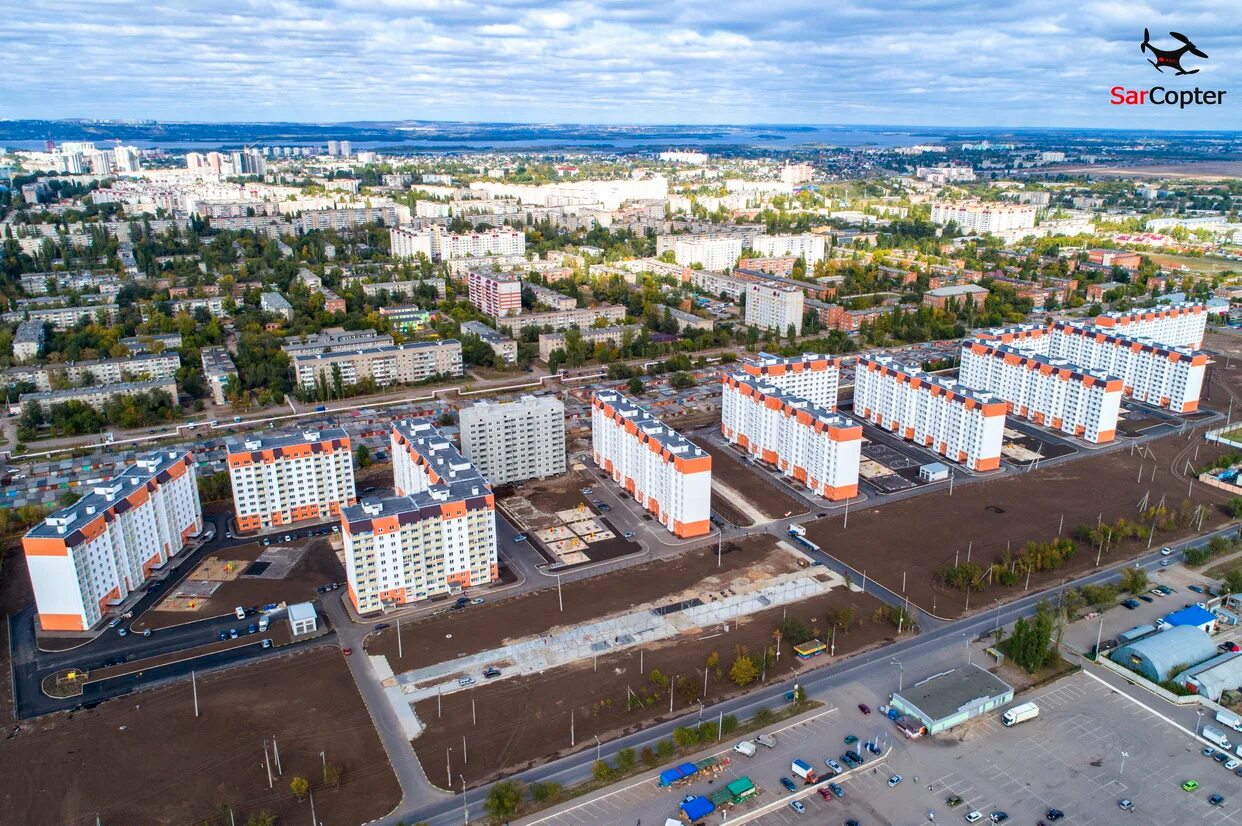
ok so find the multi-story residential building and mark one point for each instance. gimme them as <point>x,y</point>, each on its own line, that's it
<point>96,371</point>
<point>665,472</point>
<point>38,283</point>
<point>161,343</point>
<point>332,303</point>
<point>513,441</point>
<point>332,339</point>
<point>399,289</point>
<point>963,425</point>
<point>551,342</point>
<point>730,286</point>
<point>219,370</point>
<point>281,478</point>
<point>1051,392</point>
<point>501,344</point>
<point>808,246</point>
<point>981,217</point>
<point>811,376</point>
<point>28,340</point>
<point>772,307</point>
<point>1160,375</point>
<point>944,174</point>
<point>562,319</point>
<point>94,553</point>
<point>689,321</point>
<point>435,537</point>
<point>497,294</point>
<point>959,294</point>
<point>553,299</point>
<point>708,252</point>
<point>96,395</point>
<point>407,318</point>
<point>392,364</point>
<point>276,303</point>
<point>1176,325</point>
<point>344,217</point>
<point>213,305</point>
<point>819,448</point>
<point>437,243</point>
<point>62,318</point>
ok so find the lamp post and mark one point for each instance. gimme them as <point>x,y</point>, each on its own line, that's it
<point>901,674</point>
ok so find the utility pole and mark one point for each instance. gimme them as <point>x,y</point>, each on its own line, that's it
<point>276,754</point>
<point>311,792</point>
<point>559,600</point>
<point>846,523</point>
<point>448,766</point>
<point>1061,526</point>
<point>671,687</point>
<point>464,757</point>
<point>194,685</point>
<point>597,747</point>
<point>267,763</point>
<point>572,740</point>
<point>400,656</point>
<point>465,811</point>
<point>474,717</point>
<point>719,545</point>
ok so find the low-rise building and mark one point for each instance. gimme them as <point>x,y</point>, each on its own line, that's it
<point>219,371</point>
<point>952,697</point>
<point>562,319</point>
<point>331,339</point>
<point>551,298</point>
<point>159,343</point>
<point>407,318</point>
<point>97,395</point>
<point>28,340</point>
<point>551,342</point>
<point>62,318</point>
<point>959,294</point>
<point>276,303</point>
<point>95,371</point>
<point>514,441</point>
<point>383,365</point>
<point>501,344</point>
<point>690,321</point>
<point>1157,656</point>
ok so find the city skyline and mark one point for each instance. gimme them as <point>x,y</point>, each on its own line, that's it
<point>606,63</point>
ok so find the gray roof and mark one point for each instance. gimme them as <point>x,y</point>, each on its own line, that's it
<point>1218,674</point>
<point>943,695</point>
<point>1180,645</point>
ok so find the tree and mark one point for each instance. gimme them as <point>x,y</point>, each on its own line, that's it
<point>1030,643</point>
<point>263,818</point>
<point>504,799</point>
<point>635,387</point>
<point>363,456</point>
<point>331,774</point>
<point>627,759</point>
<point>728,724</point>
<point>685,737</point>
<point>743,672</point>
<point>601,771</point>
<point>548,791</point>
<point>681,381</point>
<point>842,617</point>
<point>764,717</point>
<point>300,787</point>
<point>1235,507</point>
<point>1134,580</point>
<point>1231,582</point>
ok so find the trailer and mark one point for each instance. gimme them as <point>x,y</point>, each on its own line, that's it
<point>803,769</point>
<point>1020,714</point>
<point>1230,719</point>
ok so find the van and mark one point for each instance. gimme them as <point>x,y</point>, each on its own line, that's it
<point>766,740</point>
<point>239,612</point>
<point>263,621</point>
<point>745,747</point>
<point>1217,736</point>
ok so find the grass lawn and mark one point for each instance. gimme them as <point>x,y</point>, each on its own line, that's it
<point>1199,264</point>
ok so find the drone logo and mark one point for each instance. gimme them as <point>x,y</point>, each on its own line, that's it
<point>1171,58</point>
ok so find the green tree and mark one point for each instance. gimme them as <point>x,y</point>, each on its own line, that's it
<point>1134,580</point>
<point>627,759</point>
<point>601,771</point>
<point>681,381</point>
<point>743,672</point>
<point>548,791</point>
<point>331,774</point>
<point>842,617</point>
<point>635,387</point>
<point>728,724</point>
<point>1235,507</point>
<point>685,737</point>
<point>263,818</point>
<point>1030,643</point>
<point>300,787</point>
<point>363,456</point>
<point>1231,582</point>
<point>504,799</point>
<point>764,717</point>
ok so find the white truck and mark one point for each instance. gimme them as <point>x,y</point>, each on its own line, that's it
<point>746,747</point>
<point>1230,719</point>
<point>802,769</point>
<point>1215,735</point>
<point>1020,714</point>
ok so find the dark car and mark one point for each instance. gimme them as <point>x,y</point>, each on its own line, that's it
<point>252,628</point>
<point>825,793</point>
<point>462,601</point>
<point>998,817</point>
<point>1131,604</point>
<point>952,801</point>
<point>1054,814</point>
<point>1145,598</point>
<point>864,708</point>
<point>491,672</point>
<point>1196,589</point>
<point>1216,800</point>
<point>224,635</point>
<point>788,784</point>
<point>837,790</point>
<point>383,626</point>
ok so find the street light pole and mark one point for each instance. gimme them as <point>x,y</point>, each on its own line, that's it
<point>465,812</point>
<point>901,675</point>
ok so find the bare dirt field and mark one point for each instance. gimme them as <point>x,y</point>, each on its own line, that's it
<point>318,565</point>
<point>144,759</point>
<point>1202,170</point>
<point>915,537</point>
<point>478,628</point>
<point>764,494</point>
<point>525,721</point>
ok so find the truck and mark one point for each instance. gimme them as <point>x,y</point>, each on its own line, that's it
<point>1215,735</point>
<point>797,530</point>
<point>1230,719</point>
<point>745,747</point>
<point>803,769</point>
<point>1020,714</point>
<point>734,793</point>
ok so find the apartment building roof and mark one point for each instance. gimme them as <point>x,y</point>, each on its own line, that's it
<point>1169,351</point>
<point>806,412</point>
<point>101,389</point>
<point>768,364</point>
<point>278,442</point>
<point>478,328</point>
<point>651,428</point>
<point>1046,364</point>
<point>951,389</point>
<point>355,352</point>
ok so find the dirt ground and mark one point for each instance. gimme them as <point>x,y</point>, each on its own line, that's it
<point>174,769</point>
<point>478,628</point>
<point>318,565</point>
<point>915,537</point>
<point>764,494</point>
<point>525,721</point>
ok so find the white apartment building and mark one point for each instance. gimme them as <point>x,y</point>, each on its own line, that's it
<point>549,343</point>
<point>813,248</point>
<point>1175,325</point>
<point>280,478</point>
<point>513,441</point>
<point>62,318</point>
<point>96,371</point>
<point>435,537</point>
<point>711,253</point>
<point>93,554</point>
<point>96,395</point>
<point>500,343</point>
<point>811,376</point>
<point>666,473</point>
<point>774,307</point>
<point>439,244</point>
<point>819,448</point>
<point>28,340</point>
<point>1048,391</point>
<point>384,364</point>
<point>563,319</point>
<point>496,293</point>
<point>219,371</point>
<point>553,299</point>
<point>982,217</point>
<point>963,425</point>
<point>1159,375</point>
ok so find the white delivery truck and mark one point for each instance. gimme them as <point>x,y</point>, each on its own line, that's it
<point>746,747</point>
<point>1230,719</point>
<point>1215,735</point>
<point>1020,714</point>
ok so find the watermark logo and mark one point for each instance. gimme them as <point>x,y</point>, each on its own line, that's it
<point>1171,58</point>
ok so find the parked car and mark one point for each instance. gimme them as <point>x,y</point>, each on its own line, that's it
<point>1054,815</point>
<point>224,635</point>
<point>894,780</point>
<point>520,537</point>
<point>628,534</point>
<point>239,612</point>
<point>1229,645</point>
<point>1125,804</point>
<point>383,626</point>
<point>974,817</point>
<point>1166,552</point>
<point>491,671</point>
<point>953,801</point>
<point>825,793</point>
<point>1190,786</point>
<point>477,601</point>
<point>347,651</point>
<point>146,632</point>
<point>465,681</point>
<point>998,817</point>
<point>1145,598</point>
<point>834,765</point>
<point>1197,589</point>
<point>1233,764</point>
<point>837,790</point>
<point>121,632</point>
<point>252,628</point>
<point>788,784</point>
<point>797,806</point>
<point>1131,603</point>
<point>267,643</point>
<point>1216,800</point>
<point>233,633</point>
<point>864,708</point>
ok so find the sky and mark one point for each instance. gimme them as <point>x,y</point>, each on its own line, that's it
<point>920,62</point>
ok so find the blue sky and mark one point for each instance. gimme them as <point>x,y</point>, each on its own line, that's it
<point>934,62</point>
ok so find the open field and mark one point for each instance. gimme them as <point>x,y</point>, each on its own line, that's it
<point>1200,170</point>
<point>1197,263</point>
<point>479,628</point>
<point>179,770</point>
<point>764,494</point>
<point>318,565</point>
<point>525,721</point>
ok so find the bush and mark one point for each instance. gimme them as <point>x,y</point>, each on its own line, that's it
<point>665,749</point>
<point>728,724</point>
<point>764,717</point>
<point>601,771</point>
<point>685,737</point>
<point>707,732</point>
<point>546,792</point>
<point>648,756</point>
<point>1134,580</point>
<point>504,799</point>
<point>626,760</point>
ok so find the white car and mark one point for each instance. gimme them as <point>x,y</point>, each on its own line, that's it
<point>1233,764</point>
<point>894,780</point>
<point>1166,552</point>
<point>974,817</point>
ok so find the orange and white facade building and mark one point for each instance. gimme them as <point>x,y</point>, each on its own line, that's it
<point>963,425</point>
<point>1050,392</point>
<point>436,536</point>
<point>664,471</point>
<point>1157,374</point>
<point>1175,325</point>
<point>93,554</point>
<point>283,478</point>
<point>819,448</point>
<point>811,376</point>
